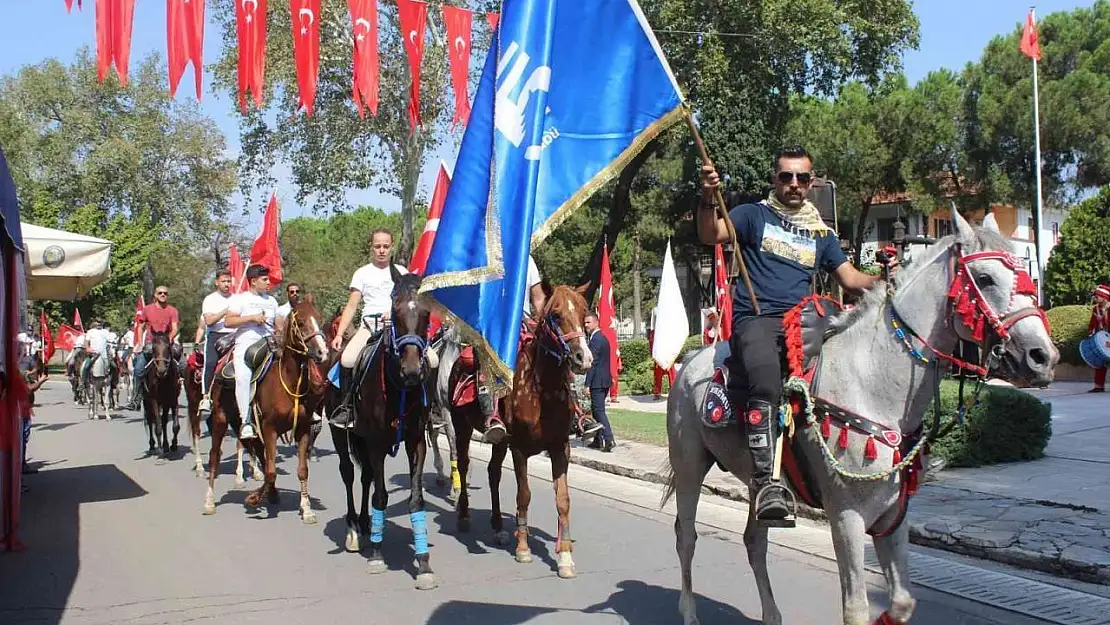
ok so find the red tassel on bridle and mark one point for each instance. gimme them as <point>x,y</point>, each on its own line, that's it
<point>842,440</point>
<point>870,451</point>
<point>826,427</point>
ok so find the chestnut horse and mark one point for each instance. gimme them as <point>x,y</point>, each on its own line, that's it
<point>286,397</point>
<point>539,411</point>
<point>194,370</point>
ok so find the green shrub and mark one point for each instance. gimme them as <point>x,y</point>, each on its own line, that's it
<point>1069,327</point>
<point>1008,425</point>
<point>638,375</point>
<point>634,351</point>
<point>1079,262</point>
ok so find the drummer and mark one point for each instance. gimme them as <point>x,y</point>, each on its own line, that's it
<point>1100,320</point>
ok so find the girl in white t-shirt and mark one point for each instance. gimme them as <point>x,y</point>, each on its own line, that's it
<point>251,314</point>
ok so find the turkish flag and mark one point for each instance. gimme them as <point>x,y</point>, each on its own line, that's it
<point>607,316</point>
<point>306,48</point>
<point>69,5</point>
<point>492,18</point>
<point>77,319</point>
<point>114,19</point>
<point>419,260</point>
<point>266,250</point>
<point>1030,41</point>
<point>250,24</point>
<point>237,268</point>
<point>459,27</point>
<point>364,17</point>
<point>184,40</point>
<point>724,294</point>
<point>67,337</point>
<point>137,324</point>
<point>414,19</point>
<point>47,339</point>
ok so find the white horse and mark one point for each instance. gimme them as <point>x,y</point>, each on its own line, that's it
<point>98,387</point>
<point>867,369</point>
<point>439,411</point>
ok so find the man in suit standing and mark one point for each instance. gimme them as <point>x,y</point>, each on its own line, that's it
<point>598,380</point>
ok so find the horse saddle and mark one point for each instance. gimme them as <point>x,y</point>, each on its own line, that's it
<point>259,357</point>
<point>465,391</point>
<point>224,344</point>
<point>366,357</point>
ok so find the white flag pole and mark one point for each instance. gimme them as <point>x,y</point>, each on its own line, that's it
<point>1037,155</point>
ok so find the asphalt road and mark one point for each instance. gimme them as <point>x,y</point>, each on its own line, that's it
<point>114,537</point>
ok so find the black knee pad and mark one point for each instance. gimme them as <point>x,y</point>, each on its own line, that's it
<point>757,421</point>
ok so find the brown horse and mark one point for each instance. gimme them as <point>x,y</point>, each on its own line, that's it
<point>539,410</point>
<point>194,370</point>
<point>286,397</point>
<point>161,386</point>
<point>392,408</point>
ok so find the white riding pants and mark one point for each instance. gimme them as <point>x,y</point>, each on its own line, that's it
<point>243,373</point>
<point>358,341</point>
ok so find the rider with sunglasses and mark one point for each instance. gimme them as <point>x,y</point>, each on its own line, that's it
<point>158,316</point>
<point>783,242</point>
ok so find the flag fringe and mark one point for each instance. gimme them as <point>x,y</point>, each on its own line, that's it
<point>502,374</point>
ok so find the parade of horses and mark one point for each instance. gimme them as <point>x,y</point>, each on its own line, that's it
<point>832,393</point>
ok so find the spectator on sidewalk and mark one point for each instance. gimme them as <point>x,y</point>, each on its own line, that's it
<point>1100,320</point>
<point>598,380</point>
<point>34,379</point>
<point>657,386</point>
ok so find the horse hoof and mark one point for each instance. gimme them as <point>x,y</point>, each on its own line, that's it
<point>308,517</point>
<point>426,581</point>
<point>567,572</point>
<point>501,538</point>
<point>464,525</point>
<point>161,461</point>
<point>240,483</point>
<point>209,509</point>
<point>173,447</point>
<point>455,494</point>
<point>376,567</point>
<point>253,500</point>
<point>354,543</point>
<point>524,556</point>
<point>565,565</point>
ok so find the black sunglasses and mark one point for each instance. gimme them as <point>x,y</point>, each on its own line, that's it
<point>162,293</point>
<point>803,177</point>
<point>294,291</point>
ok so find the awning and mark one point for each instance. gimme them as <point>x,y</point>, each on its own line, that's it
<point>63,265</point>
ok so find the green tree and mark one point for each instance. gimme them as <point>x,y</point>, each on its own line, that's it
<point>1079,261</point>
<point>127,164</point>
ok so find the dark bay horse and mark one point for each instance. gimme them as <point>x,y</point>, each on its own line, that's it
<point>194,370</point>
<point>287,395</point>
<point>161,386</point>
<point>392,409</point>
<point>539,410</point>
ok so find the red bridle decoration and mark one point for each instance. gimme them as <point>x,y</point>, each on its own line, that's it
<point>976,312</point>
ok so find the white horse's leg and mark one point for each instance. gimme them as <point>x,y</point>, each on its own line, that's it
<point>437,457</point>
<point>239,481</point>
<point>199,468</point>
<point>848,531</point>
<point>892,553</point>
<point>755,540</point>
<point>687,493</point>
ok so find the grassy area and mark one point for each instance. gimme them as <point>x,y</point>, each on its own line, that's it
<point>644,427</point>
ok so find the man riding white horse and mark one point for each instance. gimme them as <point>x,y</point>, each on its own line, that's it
<point>97,342</point>
<point>372,286</point>
<point>251,314</point>
<point>213,311</point>
<point>783,241</point>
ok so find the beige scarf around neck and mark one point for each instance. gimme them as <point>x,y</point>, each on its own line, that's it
<point>806,217</point>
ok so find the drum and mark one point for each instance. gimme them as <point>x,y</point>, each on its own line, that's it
<point>1095,349</point>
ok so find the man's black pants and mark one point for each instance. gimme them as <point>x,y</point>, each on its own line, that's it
<point>755,384</point>
<point>597,406</point>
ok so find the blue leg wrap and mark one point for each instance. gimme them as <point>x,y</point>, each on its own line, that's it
<point>377,525</point>
<point>419,532</point>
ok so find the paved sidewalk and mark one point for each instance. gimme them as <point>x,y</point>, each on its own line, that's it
<point>1051,515</point>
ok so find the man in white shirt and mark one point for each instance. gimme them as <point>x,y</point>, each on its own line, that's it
<point>251,315</point>
<point>372,286</point>
<point>213,311</point>
<point>96,345</point>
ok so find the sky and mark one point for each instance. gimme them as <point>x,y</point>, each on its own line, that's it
<point>953,33</point>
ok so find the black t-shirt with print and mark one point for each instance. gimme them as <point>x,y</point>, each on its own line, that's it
<point>780,260</point>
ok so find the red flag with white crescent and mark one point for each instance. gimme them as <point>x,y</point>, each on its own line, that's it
<point>67,337</point>
<point>136,324</point>
<point>77,319</point>
<point>414,19</point>
<point>250,26</point>
<point>306,48</point>
<point>1030,40</point>
<point>724,296</point>
<point>364,17</point>
<point>69,5</point>
<point>459,29</point>
<point>184,40</point>
<point>47,339</point>
<point>114,19</point>
<point>419,260</point>
<point>607,314</point>
<point>266,250</point>
<point>492,18</point>
<point>237,268</point>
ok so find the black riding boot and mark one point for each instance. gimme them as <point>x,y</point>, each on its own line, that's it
<point>343,414</point>
<point>761,424</point>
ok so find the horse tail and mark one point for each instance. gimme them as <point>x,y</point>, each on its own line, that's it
<point>667,471</point>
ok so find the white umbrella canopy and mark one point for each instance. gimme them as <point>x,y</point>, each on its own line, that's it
<point>63,265</point>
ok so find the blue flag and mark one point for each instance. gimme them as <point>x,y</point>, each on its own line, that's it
<point>570,92</point>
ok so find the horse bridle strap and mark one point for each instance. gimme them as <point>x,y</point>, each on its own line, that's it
<point>976,312</point>
<point>303,349</point>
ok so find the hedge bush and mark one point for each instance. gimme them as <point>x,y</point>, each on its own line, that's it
<point>638,375</point>
<point>1008,425</point>
<point>1069,327</point>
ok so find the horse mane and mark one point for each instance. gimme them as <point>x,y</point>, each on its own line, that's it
<point>874,297</point>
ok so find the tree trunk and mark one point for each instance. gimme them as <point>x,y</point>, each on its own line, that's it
<point>414,156</point>
<point>617,218</point>
<point>864,210</point>
<point>637,287</point>
<point>148,282</point>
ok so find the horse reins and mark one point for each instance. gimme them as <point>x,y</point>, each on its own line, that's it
<point>302,350</point>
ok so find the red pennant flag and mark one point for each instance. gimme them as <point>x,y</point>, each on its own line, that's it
<point>306,49</point>
<point>185,40</point>
<point>419,260</point>
<point>136,326</point>
<point>237,268</point>
<point>724,297</point>
<point>77,319</point>
<point>492,18</point>
<point>47,340</point>
<point>114,19</point>
<point>414,19</point>
<point>69,5</point>
<point>1030,41</point>
<point>67,337</point>
<point>459,28</point>
<point>364,17</point>
<point>607,315</point>
<point>250,24</point>
<point>266,250</point>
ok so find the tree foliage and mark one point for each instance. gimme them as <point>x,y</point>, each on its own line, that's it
<point>130,165</point>
<point>1080,261</point>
